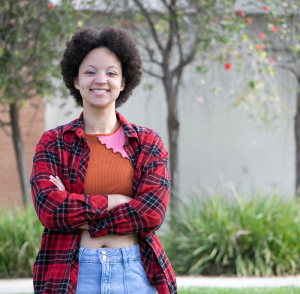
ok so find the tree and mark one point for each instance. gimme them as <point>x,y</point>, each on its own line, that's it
<point>170,33</point>
<point>32,33</point>
<point>276,45</point>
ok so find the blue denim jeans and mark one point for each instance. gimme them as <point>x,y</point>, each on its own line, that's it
<point>112,271</point>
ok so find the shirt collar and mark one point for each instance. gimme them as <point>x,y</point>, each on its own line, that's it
<point>77,126</point>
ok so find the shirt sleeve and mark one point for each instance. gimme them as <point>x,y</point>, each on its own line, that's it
<point>146,212</point>
<point>60,210</point>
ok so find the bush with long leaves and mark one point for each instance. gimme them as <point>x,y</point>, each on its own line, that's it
<point>20,239</point>
<point>244,236</point>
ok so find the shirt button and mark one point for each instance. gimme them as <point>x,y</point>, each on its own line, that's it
<point>104,257</point>
<point>103,252</point>
<point>98,211</point>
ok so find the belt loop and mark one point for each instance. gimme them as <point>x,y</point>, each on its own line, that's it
<point>124,258</point>
<point>81,250</point>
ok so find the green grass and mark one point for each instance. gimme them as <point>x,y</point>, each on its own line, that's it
<point>230,234</point>
<point>281,290</point>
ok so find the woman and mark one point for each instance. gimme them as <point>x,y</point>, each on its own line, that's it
<point>100,185</point>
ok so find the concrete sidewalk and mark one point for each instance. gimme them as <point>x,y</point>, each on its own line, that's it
<point>25,285</point>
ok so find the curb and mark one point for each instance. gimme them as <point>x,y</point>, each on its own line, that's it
<point>26,285</point>
<point>234,282</point>
<point>16,286</point>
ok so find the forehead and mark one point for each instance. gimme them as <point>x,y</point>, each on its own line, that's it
<point>101,56</point>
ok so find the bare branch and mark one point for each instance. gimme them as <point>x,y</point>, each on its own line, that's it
<point>277,49</point>
<point>165,3</point>
<point>3,125</point>
<point>184,62</point>
<point>147,48</point>
<point>176,28</point>
<point>149,72</point>
<point>150,23</point>
<point>284,66</point>
<point>172,20</point>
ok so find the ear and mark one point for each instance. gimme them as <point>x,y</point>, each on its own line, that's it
<point>122,84</point>
<point>76,83</point>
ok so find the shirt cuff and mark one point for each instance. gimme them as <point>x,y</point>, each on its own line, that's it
<point>99,205</point>
<point>101,233</point>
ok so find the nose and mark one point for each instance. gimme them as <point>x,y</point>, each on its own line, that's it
<point>100,78</point>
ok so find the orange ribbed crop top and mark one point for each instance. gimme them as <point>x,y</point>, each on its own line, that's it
<point>108,172</point>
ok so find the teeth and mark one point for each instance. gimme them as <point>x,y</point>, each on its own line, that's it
<point>100,91</point>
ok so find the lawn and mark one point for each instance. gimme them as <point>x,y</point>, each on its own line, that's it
<point>281,290</point>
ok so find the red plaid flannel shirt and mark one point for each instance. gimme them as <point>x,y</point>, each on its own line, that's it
<point>64,152</point>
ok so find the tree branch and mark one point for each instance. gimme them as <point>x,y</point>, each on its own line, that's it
<point>184,62</point>
<point>147,48</point>
<point>149,72</point>
<point>284,66</point>
<point>176,28</point>
<point>150,23</point>
<point>172,19</point>
<point>165,3</point>
<point>3,125</point>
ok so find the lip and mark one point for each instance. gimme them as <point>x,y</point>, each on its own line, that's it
<point>99,93</point>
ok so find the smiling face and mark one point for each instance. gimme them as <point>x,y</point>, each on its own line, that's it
<point>100,79</point>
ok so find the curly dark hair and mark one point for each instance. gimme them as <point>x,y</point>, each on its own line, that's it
<point>116,40</point>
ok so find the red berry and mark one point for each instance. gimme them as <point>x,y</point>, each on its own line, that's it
<point>272,59</point>
<point>228,66</point>
<point>125,23</point>
<point>262,36</point>
<point>217,19</point>
<point>260,47</point>
<point>274,29</point>
<point>226,18</point>
<point>50,6</point>
<point>240,12</point>
<point>266,8</point>
<point>248,20</point>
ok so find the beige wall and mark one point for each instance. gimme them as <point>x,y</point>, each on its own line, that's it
<point>217,141</point>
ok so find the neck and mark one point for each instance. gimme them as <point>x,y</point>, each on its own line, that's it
<point>99,121</point>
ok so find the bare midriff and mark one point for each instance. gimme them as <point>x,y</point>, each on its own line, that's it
<point>108,173</point>
<point>111,241</point>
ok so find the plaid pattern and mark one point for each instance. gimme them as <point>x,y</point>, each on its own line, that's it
<point>64,152</point>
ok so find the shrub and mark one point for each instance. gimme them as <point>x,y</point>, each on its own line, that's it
<point>20,239</point>
<point>219,234</point>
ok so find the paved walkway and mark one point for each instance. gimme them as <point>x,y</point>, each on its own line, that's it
<point>25,285</point>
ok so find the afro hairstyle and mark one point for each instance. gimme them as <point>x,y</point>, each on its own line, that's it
<point>116,40</point>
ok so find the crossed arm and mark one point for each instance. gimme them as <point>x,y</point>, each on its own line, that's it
<point>103,214</point>
<point>114,200</point>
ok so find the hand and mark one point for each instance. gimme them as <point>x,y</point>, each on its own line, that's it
<point>115,200</point>
<point>58,183</point>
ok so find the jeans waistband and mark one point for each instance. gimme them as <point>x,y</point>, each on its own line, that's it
<point>110,255</point>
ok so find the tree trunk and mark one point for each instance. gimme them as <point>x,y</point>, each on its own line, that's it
<point>173,134</point>
<point>19,152</point>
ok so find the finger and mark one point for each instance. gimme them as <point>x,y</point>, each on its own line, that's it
<point>58,179</point>
<point>60,186</point>
<point>56,184</point>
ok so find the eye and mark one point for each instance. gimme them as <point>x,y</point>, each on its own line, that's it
<point>110,73</point>
<point>91,71</point>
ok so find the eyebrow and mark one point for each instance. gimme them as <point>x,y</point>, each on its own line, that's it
<point>95,66</point>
